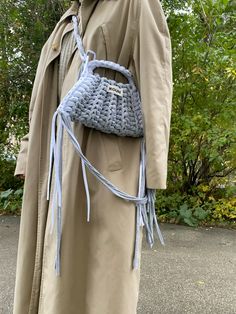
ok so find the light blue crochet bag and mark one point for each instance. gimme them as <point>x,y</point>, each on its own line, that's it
<point>111,107</point>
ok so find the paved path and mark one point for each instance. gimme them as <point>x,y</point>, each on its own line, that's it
<point>194,273</point>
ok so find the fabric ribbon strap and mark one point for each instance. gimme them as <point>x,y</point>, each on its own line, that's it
<point>145,204</point>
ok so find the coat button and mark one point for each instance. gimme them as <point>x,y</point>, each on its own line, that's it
<point>54,46</point>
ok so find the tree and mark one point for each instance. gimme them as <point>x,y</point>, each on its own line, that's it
<point>25,26</point>
<point>202,146</point>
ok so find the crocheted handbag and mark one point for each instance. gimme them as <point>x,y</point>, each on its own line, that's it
<point>111,107</point>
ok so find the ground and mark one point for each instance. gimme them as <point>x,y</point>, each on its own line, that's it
<point>194,273</point>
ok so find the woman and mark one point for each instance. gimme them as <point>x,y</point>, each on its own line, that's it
<point>96,256</point>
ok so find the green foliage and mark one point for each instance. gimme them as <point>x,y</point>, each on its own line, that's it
<point>205,204</point>
<point>7,180</point>
<point>202,155</point>
<point>25,26</point>
<point>181,208</point>
<point>225,210</point>
<point>10,201</point>
<point>203,128</point>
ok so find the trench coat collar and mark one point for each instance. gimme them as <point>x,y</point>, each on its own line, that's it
<point>86,8</point>
<point>83,8</point>
<point>84,11</point>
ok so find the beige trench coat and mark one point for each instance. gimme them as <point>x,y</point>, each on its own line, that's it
<point>96,256</point>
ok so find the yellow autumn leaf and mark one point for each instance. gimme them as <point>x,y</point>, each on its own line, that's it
<point>211,198</point>
<point>197,70</point>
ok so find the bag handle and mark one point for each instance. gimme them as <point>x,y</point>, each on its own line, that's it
<point>93,64</point>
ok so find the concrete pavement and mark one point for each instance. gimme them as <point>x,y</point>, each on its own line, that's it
<point>194,273</point>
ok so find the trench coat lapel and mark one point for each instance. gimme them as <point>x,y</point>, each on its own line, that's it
<point>84,10</point>
<point>60,30</point>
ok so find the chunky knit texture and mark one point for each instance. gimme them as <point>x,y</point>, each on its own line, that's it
<point>94,102</point>
<point>90,102</point>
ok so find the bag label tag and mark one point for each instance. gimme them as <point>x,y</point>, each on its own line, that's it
<point>115,90</point>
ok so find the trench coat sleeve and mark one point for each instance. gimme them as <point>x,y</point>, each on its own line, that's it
<point>153,66</point>
<point>21,160</point>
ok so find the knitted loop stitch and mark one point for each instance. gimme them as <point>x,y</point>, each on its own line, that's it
<point>111,107</point>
